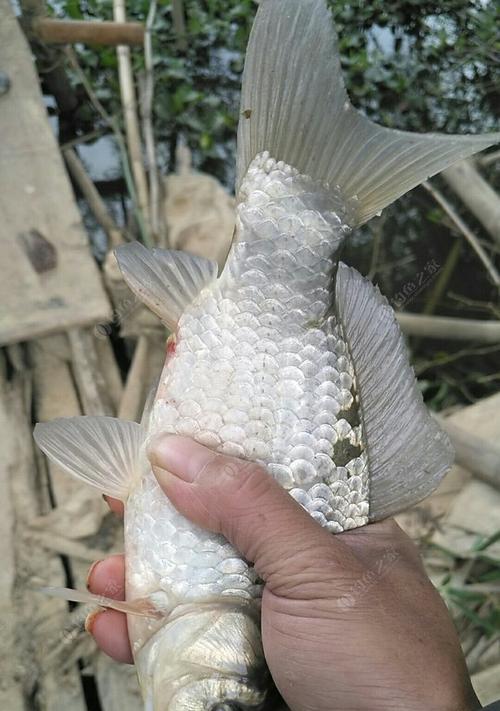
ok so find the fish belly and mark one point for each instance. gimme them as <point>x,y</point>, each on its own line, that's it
<point>258,373</point>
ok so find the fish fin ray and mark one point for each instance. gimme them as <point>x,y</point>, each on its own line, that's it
<point>143,607</point>
<point>167,281</point>
<point>100,451</point>
<point>294,105</point>
<point>408,453</point>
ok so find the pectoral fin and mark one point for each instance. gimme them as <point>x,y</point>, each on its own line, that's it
<point>143,607</point>
<point>101,451</point>
<point>167,281</point>
<point>408,453</point>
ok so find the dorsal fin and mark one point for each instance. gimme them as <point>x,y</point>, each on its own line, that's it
<point>167,281</point>
<point>294,105</point>
<point>408,453</point>
<point>100,451</point>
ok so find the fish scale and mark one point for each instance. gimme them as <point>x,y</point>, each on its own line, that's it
<point>288,358</point>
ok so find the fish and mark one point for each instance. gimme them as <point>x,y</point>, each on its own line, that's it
<point>289,357</point>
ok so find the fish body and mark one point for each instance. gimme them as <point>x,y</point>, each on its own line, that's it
<point>288,358</point>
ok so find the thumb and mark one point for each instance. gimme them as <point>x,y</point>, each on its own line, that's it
<point>240,500</point>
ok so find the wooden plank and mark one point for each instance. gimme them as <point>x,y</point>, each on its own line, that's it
<point>78,511</point>
<point>486,684</point>
<point>480,419</point>
<point>47,274</point>
<point>38,621</point>
<point>11,688</point>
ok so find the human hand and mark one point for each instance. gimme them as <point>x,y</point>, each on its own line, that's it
<point>349,622</point>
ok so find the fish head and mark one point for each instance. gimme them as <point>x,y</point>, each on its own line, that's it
<point>207,659</point>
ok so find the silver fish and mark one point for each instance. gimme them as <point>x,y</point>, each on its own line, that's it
<point>263,368</point>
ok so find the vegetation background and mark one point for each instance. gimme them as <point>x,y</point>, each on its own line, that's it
<point>415,65</point>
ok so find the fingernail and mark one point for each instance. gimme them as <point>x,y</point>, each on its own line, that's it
<point>90,620</point>
<point>180,456</point>
<point>91,570</point>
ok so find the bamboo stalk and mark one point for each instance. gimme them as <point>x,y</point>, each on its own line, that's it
<point>96,203</point>
<point>132,399</point>
<point>179,25</point>
<point>92,387</point>
<point>475,192</point>
<point>129,104</point>
<point>114,126</point>
<point>465,230</point>
<point>146,103</point>
<point>71,31</point>
<point>455,329</point>
<point>443,278</point>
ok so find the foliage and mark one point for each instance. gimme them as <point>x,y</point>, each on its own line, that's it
<point>412,64</point>
<point>416,65</point>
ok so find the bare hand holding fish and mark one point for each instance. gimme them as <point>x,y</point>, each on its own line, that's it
<point>289,358</point>
<point>349,622</point>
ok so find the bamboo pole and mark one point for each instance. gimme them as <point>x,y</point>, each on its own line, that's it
<point>475,192</point>
<point>146,85</point>
<point>71,31</point>
<point>132,399</point>
<point>127,91</point>
<point>112,122</point>
<point>465,230</point>
<point>96,203</point>
<point>454,329</point>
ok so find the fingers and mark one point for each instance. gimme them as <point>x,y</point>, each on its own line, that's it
<point>241,501</point>
<point>115,505</point>
<point>109,627</point>
<point>107,577</point>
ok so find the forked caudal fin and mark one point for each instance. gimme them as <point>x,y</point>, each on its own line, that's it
<point>294,105</point>
<point>408,453</point>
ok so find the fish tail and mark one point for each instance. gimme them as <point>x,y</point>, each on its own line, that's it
<point>295,105</point>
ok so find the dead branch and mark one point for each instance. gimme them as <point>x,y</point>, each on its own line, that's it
<point>465,230</point>
<point>71,31</point>
<point>475,192</point>
<point>454,329</point>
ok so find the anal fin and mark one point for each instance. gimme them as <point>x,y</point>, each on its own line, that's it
<point>408,453</point>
